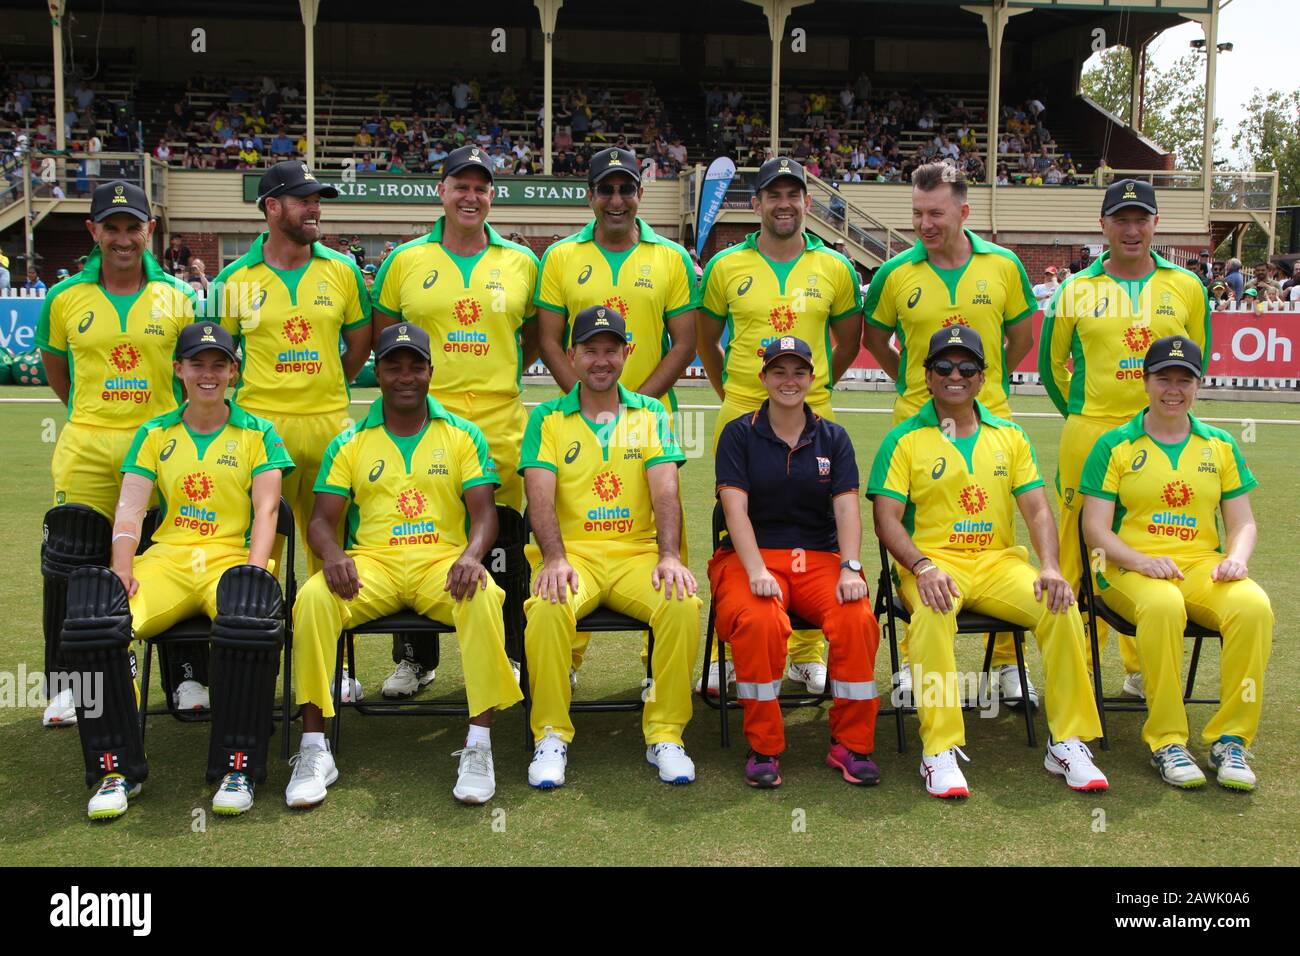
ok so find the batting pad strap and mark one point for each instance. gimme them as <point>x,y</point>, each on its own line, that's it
<point>74,536</point>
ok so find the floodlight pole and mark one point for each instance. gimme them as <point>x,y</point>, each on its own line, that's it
<point>310,9</point>
<point>777,12</point>
<point>548,11</point>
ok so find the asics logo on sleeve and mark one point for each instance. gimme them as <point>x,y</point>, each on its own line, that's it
<point>376,470</point>
<point>745,283</point>
<point>939,465</point>
<point>167,450</point>
<point>584,275</point>
<point>431,278</point>
<point>84,324</point>
<point>914,298</point>
<point>571,454</point>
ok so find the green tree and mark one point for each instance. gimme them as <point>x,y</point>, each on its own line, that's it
<point>1106,82</point>
<point>1269,137</point>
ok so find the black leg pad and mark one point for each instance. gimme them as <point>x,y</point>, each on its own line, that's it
<point>73,536</point>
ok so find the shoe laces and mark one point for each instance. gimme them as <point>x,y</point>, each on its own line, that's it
<point>1176,755</point>
<point>759,758</point>
<point>407,668</point>
<point>674,750</point>
<point>1075,749</point>
<point>236,783</point>
<point>551,742</point>
<point>474,760</point>
<point>1233,754</point>
<point>110,784</point>
<point>306,763</point>
<point>945,761</point>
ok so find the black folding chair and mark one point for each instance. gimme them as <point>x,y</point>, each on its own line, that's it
<point>890,608</point>
<point>196,631</point>
<point>603,620</point>
<point>510,528</point>
<point>1093,606</point>
<point>786,701</point>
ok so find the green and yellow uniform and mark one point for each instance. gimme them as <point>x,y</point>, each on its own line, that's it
<point>119,351</point>
<point>474,309</point>
<point>959,496</point>
<point>1103,328</point>
<point>1167,499</point>
<point>204,484</point>
<point>648,284</point>
<point>607,523</point>
<point>913,298</point>
<point>406,526</point>
<point>289,323</point>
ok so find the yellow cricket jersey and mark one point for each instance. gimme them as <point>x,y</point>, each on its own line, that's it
<point>761,300</point>
<point>1104,326</point>
<point>601,492</point>
<point>407,491</point>
<point>289,323</point>
<point>959,492</point>
<point>1167,496</point>
<point>205,482</point>
<point>119,348</point>
<point>647,285</point>
<point>912,298</point>
<point>473,308</point>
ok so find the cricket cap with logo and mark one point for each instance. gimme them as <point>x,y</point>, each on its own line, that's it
<point>610,160</point>
<point>403,336</point>
<point>955,337</point>
<point>200,336</point>
<point>467,157</point>
<point>787,345</point>
<point>1129,192</point>
<point>774,169</point>
<point>594,320</point>
<point>1173,351</point>
<point>292,177</point>
<point>112,198</point>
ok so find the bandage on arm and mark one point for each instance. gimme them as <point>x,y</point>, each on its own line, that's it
<point>128,521</point>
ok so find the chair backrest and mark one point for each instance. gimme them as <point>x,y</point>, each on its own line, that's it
<point>1086,596</point>
<point>719,525</point>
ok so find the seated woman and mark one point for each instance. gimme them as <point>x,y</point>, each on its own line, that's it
<point>1153,488</point>
<point>788,483</point>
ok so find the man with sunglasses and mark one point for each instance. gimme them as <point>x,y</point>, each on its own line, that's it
<point>945,485</point>
<point>950,277</point>
<point>619,262</point>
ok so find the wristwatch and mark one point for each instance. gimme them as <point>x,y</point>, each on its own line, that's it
<point>853,565</point>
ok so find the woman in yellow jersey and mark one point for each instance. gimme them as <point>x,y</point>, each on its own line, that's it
<point>1153,487</point>
<point>209,460</point>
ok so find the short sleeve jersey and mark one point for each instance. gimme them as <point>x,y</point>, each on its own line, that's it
<point>648,284</point>
<point>205,482</point>
<point>119,348</point>
<point>1167,496</point>
<point>1104,326</point>
<point>601,491</point>
<point>791,490</point>
<point>289,324</point>
<point>761,300</point>
<point>913,299</point>
<point>473,308</point>
<point>407,492</point>
<point>959,494</point>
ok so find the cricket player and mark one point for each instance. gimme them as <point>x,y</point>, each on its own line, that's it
<point>1153,490</point>
<point>417,485</point>
<point>944,504</point>
<point>950,277</point>
<point>218,469</point>
<point>1103,320</point>
<point>600,467</point>
<point>107,337</point>
<point>472,292</point>
<point>781,281</point>
<point>619,262</point>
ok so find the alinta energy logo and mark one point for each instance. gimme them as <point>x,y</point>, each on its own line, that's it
<point>125,357</point>
<point>296,329</point>
<point>609,518</point>
<point>972,532</point>
<point>193,516</point>
<point>1137,339</point>
<point>973,499</point>
<point>197,486</point>
<point>607,486</point>
<point>782,318</point>
<point>1175,524</point>
<point>1177,494</point>
<point>467,311</point>
<point>411,503</point>
<point>415,529</point>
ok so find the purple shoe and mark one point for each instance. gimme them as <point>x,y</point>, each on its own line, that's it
<point>857,769</point>
<point>762,771</point>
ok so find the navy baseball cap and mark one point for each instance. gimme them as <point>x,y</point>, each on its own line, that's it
<point>118,196</point>
<point>956,337</point>
<point>1173,351</point>
<point>291,178</point>
<point>594,320</point>
<point>774,169</point>
<point>403,336</point>
<point>613,160</point>
<point>787,345</point>
<point>1129,192</point>
<point>467,157</point>
<point>200,336</point>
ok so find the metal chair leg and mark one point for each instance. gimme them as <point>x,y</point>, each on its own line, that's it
<point>286,717</point>
<point>1019,641</point>
<point>1096,679</point>
<point>336,728</point>
<point>1191,668</point>
<point>722,693</point>
<point>144,686</point>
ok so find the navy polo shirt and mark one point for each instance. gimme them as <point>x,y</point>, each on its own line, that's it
<point>790,489</point>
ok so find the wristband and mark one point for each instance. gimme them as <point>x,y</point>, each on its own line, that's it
<point>918,561</point>
<point>932,567</point>
<point>125,534</point>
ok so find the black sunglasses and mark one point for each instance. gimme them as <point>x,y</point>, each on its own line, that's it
<point>623,189</point>
<point>943,368</point>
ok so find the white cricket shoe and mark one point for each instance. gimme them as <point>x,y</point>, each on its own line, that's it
<point>313,772</point>
<point>234,796</point>
<point>191,695</point>
<point>1072,760</point>
<point>406,680</point>
<point>352,690</point>
<point>1009,687</point>
<point>62,711</point>
<point>1228,757</point>
<point>1135,685</point>
<point>671,760</point>
<point>475,780</point>
<point>811,675</point>
<point>1178,767</point>
<point>550,758</point>
<point>903,687</point>
<point>110,800</point>
<point>713,678</point>
<point>943,777</point>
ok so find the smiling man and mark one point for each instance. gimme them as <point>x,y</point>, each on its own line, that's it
<point>106,337</point>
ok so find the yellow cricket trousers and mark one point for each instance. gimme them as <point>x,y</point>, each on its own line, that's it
<point>999,584</point>
<point>391,581</point>
<point>1160,609</point>
<point>617,576</point>
<point>87,466</point>
<point>178,582</point>
<point>501,419</point>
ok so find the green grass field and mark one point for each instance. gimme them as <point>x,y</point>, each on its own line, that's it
<point>393,805</point>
